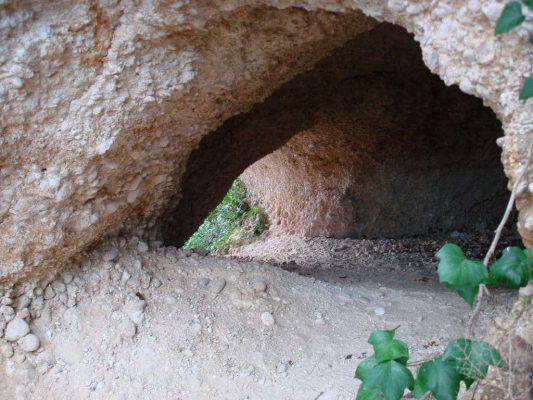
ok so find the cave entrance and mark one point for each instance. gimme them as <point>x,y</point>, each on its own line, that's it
<point>368,144</point>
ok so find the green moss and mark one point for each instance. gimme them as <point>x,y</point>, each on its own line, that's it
<point>233,220</point>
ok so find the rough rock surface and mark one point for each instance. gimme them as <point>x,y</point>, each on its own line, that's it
<point>390,151</point>
<point>102,102</point>
<point>159,323</point>
<point>513,336</point>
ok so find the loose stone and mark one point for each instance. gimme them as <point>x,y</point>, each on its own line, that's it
<point>59,287</point>
<point>7,312</point>
<point>29,343</point>
<point>204,281</point>
<point>67,278</point>
<point>259,285</point>
<point>6,349</point>
<point>49,293</point>
<point>16,329</point>
<point>267,319</point>
<point>379,311</point>
<point>19,357</point>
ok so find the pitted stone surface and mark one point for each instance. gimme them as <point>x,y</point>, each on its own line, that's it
<point>102,102</point>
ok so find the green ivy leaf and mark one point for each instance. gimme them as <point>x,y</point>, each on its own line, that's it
<point>365,393</point>
<point>472,358</point>
<point>510,17</point>
<point>387,348</point>
<point>459,273</point>
<point>512,269</point>
<point>439,377</point>
<point>529,4</point>
<point>364,368</point>
<point>527,88</point>
<point>390,378</point>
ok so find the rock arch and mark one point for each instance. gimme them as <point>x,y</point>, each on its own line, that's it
<point>103,104</point>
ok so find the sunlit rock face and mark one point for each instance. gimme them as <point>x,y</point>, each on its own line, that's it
<point>103,102</point>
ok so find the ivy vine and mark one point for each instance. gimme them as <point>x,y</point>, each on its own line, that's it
<point>511,17</point>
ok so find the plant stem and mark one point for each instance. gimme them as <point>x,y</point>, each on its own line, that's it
<point>482,288</point>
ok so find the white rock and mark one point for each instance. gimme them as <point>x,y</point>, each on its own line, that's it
<point>49,293</point>
<point>127,329</point>
<point>204,281</point>
<point>16,329</point>
<point>379,311</point>
<point>6,349</point>
<point>267,319</point>
<point>492,10</point>
<point>67,278</point>
<point>23,302</point>
<point>8,312</point>
<point>135,310</point>
<point>6,301</point>
<point>19,357</point>
<point>59,287</point>
<point>29,343</point>
<point>526,290</point>
<point>474,5</point>
<point>23,313</point>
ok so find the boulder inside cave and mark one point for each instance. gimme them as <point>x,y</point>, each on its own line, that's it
<point>368,144</point>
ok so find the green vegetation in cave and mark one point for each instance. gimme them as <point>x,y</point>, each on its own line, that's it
<point>232,221</point>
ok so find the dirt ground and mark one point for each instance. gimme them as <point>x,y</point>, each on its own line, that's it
<point>144,321</point>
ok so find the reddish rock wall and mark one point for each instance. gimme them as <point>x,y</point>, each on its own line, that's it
<point>391,151</point>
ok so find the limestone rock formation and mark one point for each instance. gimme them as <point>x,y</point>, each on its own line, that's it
<point>388,152</point>
<point>103,102</point>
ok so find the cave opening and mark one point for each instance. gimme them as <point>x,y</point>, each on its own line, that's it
<point>367,145</point>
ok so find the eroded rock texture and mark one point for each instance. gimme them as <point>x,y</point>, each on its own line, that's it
<point>390,151</point>
<point>102,102</point>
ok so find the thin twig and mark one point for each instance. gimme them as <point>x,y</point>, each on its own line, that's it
<point>418,362</point>
<point>508,210</point>
<point>479,300</point>
<point>482,288</point>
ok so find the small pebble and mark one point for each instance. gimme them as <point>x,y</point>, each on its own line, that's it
<point>526,290</point>
<point>49,293</point>
<point>267,319</point>
<point>23,313</point>
<point>29,343</point>
<point>59,287</point>
<point>217,285</point>
<point>8,312</point>
<point>142,247</point>
<point>16,329</point>
<point>258,285</point>
<point>6,349</point>
<point>19,357</point>
<point>379,311</point>
<point>128,329</point>
<point>6,301</point>
<point>67,278</point>
<point>204,281</point>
